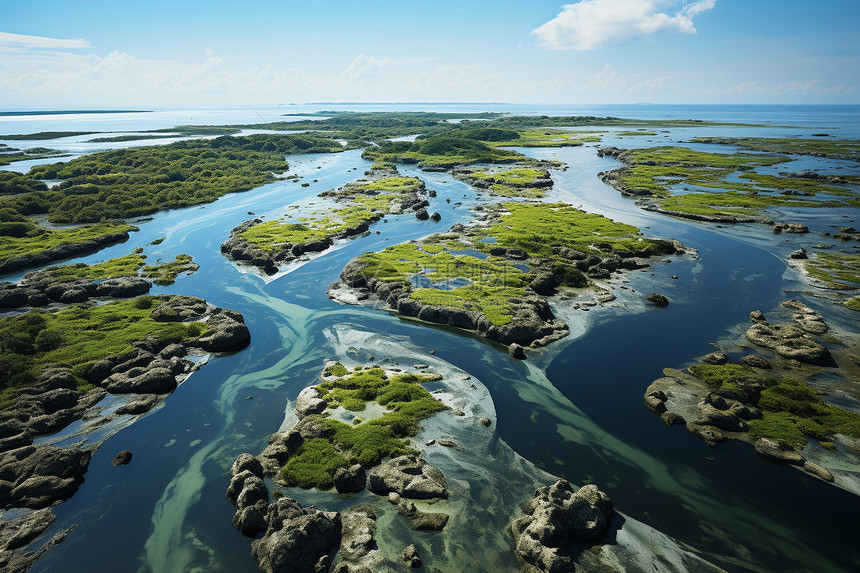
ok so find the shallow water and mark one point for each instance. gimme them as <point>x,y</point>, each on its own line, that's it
<point>574,409</point>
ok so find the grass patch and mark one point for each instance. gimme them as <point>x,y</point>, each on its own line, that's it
<point>79,336</point>
<point>836,270</point>
<point>836,148</point>
<point>36,240</point>
<point>792,409</point>
<point>366,442</point>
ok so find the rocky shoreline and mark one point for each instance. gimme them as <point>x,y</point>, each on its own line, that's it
<point>38,476</point>
<point>532,322</point>
<point>746,400</point>
<point>238,248</point>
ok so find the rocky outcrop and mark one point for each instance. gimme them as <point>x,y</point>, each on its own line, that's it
<point>658,300</point>
<point>358,530</point>
<point>410,476</point>
<point>297,538</point>
<point>555,516</point>
<point>39,476</point>
<point>789,340</point>
<point>422,520</point>
<point>123,458</point>
<point>410,556</point>
<point>17,533</point>
<point>350,480</point>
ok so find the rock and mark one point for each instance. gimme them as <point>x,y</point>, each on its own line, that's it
<point>790,228</point>
<point>409,476</point>
<point>659,300</point>
<point>253,490</point>
<point>434,216</point>
<point>358,528</point>
<point>421,214</point>
<point>281,447</point>
<point>774,451</point>
<point>656,402</point>
<point>755,361</point>
<point>251,520</point>
<point>789,340</point>
<point>39,476</point>
<point>350,480</point>
<point>710,434</point>
<point>140,380</point>
<point>229,335</point>
<point>309,402</point>
<point>237,484</point>
<point>20,531</point>
<point>393,497</point>
<point>757,316</point>
<point>543,284</point>
<point>410,556</point>
<point>180,309</point>
<point>554,517</point>
<point>799,254</point>
<point>818,471</point>
<point>517,351</point>
<point>138,406</point>
<point>485,422</point>
<point>717,358</point>
<point>122,287</point>
<point>672,419</point>
<point>422,520</point>
<point>296,537</point>
<point>122,458</point>
<point>722,419</point>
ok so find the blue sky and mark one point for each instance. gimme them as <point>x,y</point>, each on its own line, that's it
<point>173,53</point>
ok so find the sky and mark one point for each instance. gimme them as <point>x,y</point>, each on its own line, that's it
<point>122,54</point>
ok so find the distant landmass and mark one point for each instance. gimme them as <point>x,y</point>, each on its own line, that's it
<point>73,111</point>
<point>406,103</point>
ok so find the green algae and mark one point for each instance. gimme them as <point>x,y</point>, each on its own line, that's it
<point>837,270</point>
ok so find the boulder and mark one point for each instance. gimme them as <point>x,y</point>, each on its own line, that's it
<point>755,361</point>
<point>122,287</point>
<point>247,462</point>
<point>358,528</point>
<point>350,480</point>
<point>717,358</point>
<point>517,351</point>
<point>309,402</point>
<point>410,476</point>
<point>122,458</point>
<point>139,405</point>
<point>296,537</point>
<point>228,333</point>
<point>789,340</point>
<point>555,516</point>
<point>798,254</point>
<point>658,299</point>
<point>710,434</point>
<point>140,380</point>
<point>422,214</point>
<point>422,520</point>
<point>774,451</point>
<point>20,531</point>
<point>410,556</point>
<point>251,520</point>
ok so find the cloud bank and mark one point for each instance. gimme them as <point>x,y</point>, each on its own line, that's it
<point>592,24</point>
<point>21,41</point>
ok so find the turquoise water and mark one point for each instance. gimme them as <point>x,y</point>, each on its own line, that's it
<point>574,409</point>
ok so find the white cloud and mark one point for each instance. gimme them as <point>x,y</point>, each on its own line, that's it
<point>591,24</point>
<point>21,41</point>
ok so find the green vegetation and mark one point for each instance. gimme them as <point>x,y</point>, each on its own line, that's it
<point>441,152</point>
<point>186,130</point>
<point>541,138</point>
<point>366,443</point>
<point>634,133</point>
<point>142,180</point>
<point>131,265</point>
<point>836,270</point>
<point>791,408</point>
<point>853,303</point>
<point>360,204</point>
<point>836,148</point>
<point>12,183</point>
<point>122,138</point>
<point>78,337</point>
<point>23,237</point>
<point>487,285</point>
<point>658,173</point>
<point>517,182</point>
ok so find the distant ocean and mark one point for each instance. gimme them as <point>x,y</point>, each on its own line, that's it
<point>845,118</point>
